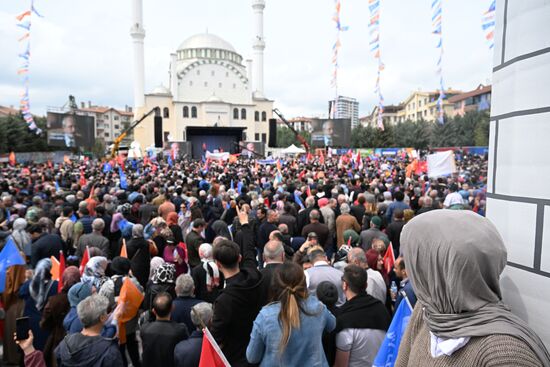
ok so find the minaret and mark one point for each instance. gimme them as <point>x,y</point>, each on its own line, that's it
<point>258,47</point>
<point>138,34</point>
<point>173,77</point>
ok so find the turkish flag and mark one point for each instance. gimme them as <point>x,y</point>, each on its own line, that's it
<point>84,261</point>
<point>211,353</point>
<point>389,259</point>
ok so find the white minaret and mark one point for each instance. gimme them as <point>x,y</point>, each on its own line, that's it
<point>258,46</point>
<point>173,77</point>
<point>138,34</point>
<point>249,68</point>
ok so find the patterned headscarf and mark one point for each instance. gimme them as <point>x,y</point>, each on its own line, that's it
<point>155,263</point>
<point>165,273</point>
<point>94,272</point>
<point>41,283</point>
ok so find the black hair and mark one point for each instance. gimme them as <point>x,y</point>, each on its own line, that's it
<point>356,278</point>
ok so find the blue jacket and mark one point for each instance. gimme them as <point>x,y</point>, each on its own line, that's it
<point>72,325</point>
<point>188,352</point>
<point>409,291</point>
<point>391,208</point>
<point>305,346</point>
<point>181,312</point>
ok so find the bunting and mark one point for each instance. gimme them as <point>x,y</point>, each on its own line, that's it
<point>337,45</point>
<point>374,45</point>
<point>437,15</point>
<point>24,22</point>
<point>488,24</point>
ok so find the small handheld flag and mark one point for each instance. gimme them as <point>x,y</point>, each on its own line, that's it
<point>9,256</point>
<point>387,354</point>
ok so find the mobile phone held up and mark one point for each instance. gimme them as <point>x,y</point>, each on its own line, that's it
<point>22,328</point>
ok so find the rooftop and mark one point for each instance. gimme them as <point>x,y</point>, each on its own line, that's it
<point>206,40</point>
<point>481,89</point>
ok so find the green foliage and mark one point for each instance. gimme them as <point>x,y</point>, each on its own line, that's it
<point>98,150</point>
<point>285,137</point>
<point>470,130</point>
<point>15,136</point>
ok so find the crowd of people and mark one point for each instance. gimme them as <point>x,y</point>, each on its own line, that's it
<point>282,263</point>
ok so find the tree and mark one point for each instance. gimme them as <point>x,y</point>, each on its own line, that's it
<point>16,136</point>
<point>285,137</point>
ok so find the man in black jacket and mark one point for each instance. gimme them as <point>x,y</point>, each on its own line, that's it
<point>361,323</point>
<point>44,244</point>
<point>161,336</point>
<point>239,303</point>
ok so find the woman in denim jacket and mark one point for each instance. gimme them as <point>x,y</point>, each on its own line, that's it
<point>289,332</point>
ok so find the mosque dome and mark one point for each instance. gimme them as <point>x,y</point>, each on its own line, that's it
<point>206,40</point>
<point>161,90</point>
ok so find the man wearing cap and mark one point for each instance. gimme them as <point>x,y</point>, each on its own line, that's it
<point>373,232</point>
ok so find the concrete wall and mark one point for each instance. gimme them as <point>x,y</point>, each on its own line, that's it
<point>519,156</point>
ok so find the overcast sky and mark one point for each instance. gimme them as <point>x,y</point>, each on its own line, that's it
<point>83,48</point>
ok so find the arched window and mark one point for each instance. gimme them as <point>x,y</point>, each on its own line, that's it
<point>256,116</point>
<point>165,113</point>
<point>157,111</point>
<point>193,112</point>
<point>264,116</point>
<point>243,113</point>
<point>185,111</point>
<point>236,113</point>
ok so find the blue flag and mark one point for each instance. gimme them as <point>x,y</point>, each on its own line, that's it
<point>123,182</point>
<point>387,354</point>
<point>298,201</point>
<point>8,257</point>
<point>170,161</point>
<point>239,187</point>
<point>56,186</point>
<point>8,215</point>
<point>134,163</point>
<point>74,218</point>
<point>122,224</point>
<point>107,167</point>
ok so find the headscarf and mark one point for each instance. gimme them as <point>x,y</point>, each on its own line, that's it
<point>455,260</point>
<point>165,273</point>
<point>94,272</point>
<point>78,293</point>
<point>71,276</point>
<point>172,219</point>
<point>209,266</point>
<point>155,263</point>
<point>41,283</point>
<point>19,235</point>
<point>220,229</point>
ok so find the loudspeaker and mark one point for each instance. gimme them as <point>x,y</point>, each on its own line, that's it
<point>158,132</point>
<point>272,143</point>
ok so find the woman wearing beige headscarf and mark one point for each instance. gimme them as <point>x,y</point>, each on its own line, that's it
<point>454,260</point>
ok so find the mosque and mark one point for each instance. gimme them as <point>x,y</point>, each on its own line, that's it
<point>214,99</point>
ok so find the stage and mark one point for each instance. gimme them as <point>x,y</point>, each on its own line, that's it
<point>213,138</point>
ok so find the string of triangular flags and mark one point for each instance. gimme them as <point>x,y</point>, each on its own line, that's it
<point>24,22</point>
<point>488,24</point>
<point>337,44</point>
<point>437,15</point>
<point>374,44</point>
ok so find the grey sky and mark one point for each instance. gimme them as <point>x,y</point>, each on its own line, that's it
<point>84,48</point>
